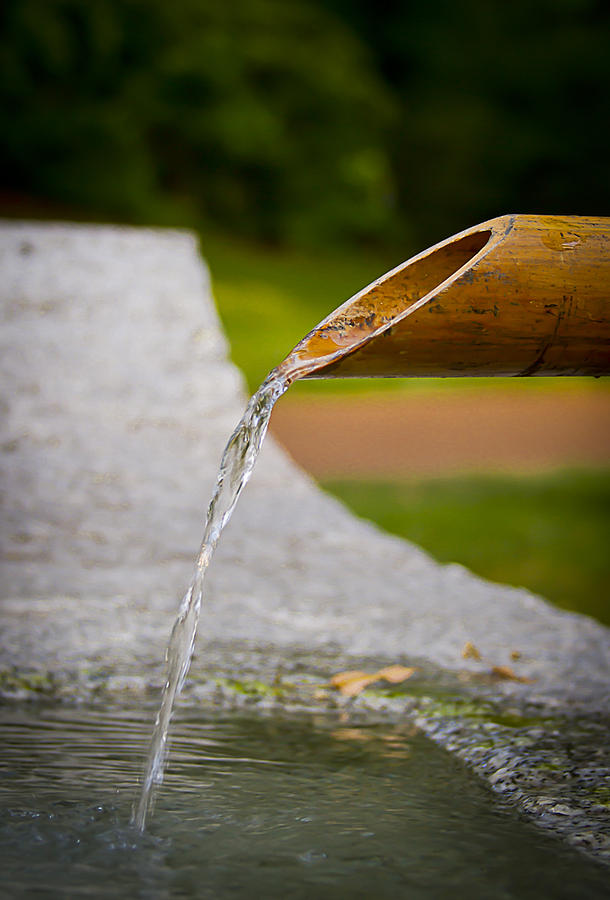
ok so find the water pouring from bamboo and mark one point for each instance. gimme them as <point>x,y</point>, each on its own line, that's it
<point>517,295</point>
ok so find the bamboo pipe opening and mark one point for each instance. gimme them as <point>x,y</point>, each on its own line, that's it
<point>382,303</point>
<point>519,295</point>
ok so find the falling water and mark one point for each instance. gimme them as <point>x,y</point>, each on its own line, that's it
<point>317,349</point>
<point>236,466</point>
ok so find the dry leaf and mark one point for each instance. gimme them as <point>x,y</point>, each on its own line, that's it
<point>350,684</point>
<point>470,651</point>
<point>343,678</point>
<point>353,682</point>
<point>395,674</point>
<point>507,674</point>
<point>515,655</point>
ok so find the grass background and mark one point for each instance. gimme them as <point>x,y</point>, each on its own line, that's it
<point>547,532</point>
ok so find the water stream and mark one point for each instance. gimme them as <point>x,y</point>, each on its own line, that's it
<point>236,466</point>
<point>237,463</point>
<point>331,340</point>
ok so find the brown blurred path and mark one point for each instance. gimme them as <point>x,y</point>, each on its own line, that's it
<point>440,433</point>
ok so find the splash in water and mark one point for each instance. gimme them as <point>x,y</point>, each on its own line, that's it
<point>236,466</point>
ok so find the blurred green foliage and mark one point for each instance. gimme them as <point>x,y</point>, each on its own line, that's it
<point>307,121</point>
<point>503,106</point>
<point>249,114</point>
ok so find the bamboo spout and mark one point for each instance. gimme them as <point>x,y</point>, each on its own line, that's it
<point>518,295</point>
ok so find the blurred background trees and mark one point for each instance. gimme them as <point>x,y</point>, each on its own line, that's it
<point>307,121</point>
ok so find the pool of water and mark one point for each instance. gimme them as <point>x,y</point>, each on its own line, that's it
<point>253,807</point>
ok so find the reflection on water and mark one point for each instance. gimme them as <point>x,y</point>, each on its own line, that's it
<point>299,808</point>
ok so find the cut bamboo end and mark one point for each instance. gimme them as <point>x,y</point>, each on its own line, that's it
<point>518,295</point>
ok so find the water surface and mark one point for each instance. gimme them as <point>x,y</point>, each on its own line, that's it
<point>253,807</point>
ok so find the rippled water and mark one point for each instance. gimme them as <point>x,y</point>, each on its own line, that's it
<point>254,807</point>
